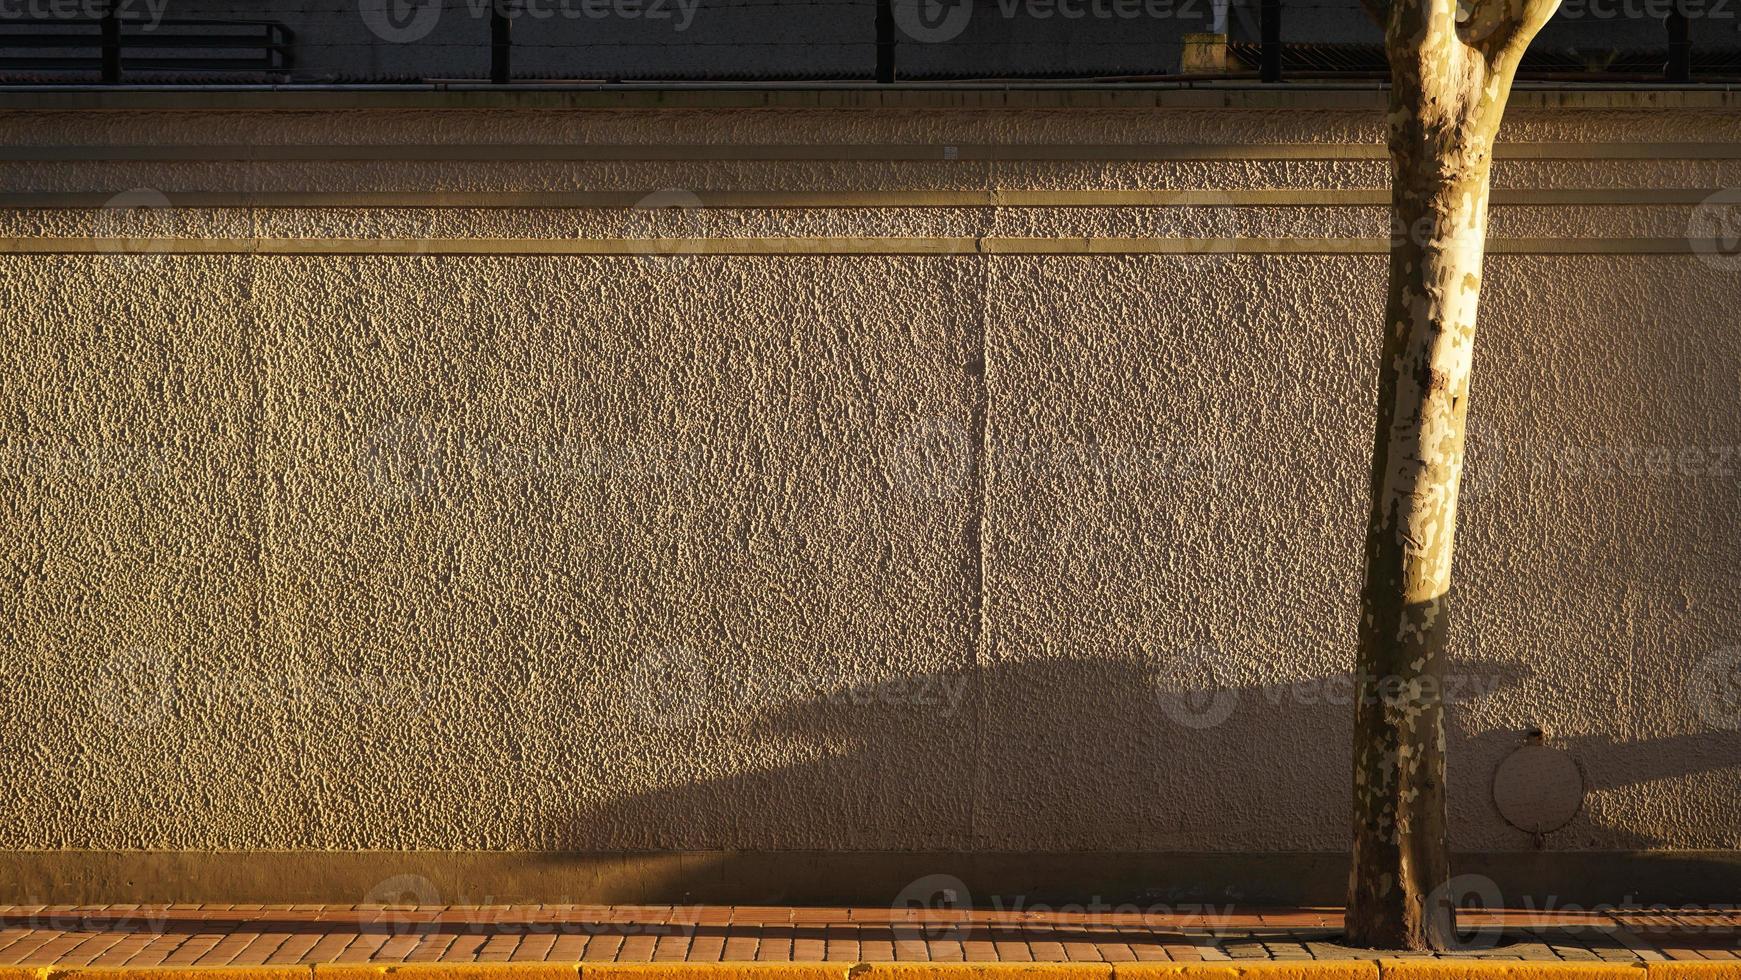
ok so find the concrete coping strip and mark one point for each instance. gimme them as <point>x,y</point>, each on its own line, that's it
<point>795,152</point>
<point>654,247</point>
<point>1370,197</point>
<point>1360,96</point>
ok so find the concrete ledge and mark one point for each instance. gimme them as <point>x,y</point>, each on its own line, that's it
<point>1374,197</point>
<point>1693,970</point>
<point>988,245</point>
<point>873,878</point>
<point>181,973</point>
<point>728,971</point>
<point>796,152</point>
<point>1363,96</point>
<point>1304,970</point>
<point>1422,969</point>
<point>982,971</point>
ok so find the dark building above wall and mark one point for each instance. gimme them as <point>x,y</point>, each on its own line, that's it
<point>420,41</point>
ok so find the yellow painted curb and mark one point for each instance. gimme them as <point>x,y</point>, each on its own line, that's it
<point>1694,970</point>
<point>178,973</point>
<point>716,971</point>
<point>445,971</point>
<point>1472,969</point>
<point>1311,970</point>
<point>982,971</point>
<point>1292,970</point>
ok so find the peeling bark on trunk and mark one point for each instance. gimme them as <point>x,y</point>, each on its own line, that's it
<point>1449,84</point>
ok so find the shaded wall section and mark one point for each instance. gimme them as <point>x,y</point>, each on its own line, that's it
<point>925,480</point>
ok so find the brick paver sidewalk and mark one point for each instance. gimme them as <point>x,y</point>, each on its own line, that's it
<point>234,935</point>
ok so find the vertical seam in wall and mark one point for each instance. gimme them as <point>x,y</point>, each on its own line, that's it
<point>981,623</point>
<point>253,428</point>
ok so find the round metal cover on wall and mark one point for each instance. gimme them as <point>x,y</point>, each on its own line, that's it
<point>1538,789</point>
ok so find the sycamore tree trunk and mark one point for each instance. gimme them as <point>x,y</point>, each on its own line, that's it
<point>1451,73</point>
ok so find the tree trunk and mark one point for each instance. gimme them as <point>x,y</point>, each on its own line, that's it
<point>1447,97</point>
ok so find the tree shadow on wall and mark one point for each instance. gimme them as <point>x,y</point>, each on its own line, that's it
<point>1109,771</point>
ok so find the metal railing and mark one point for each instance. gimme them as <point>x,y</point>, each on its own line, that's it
<point>116,49</point>
<point>111,45</point>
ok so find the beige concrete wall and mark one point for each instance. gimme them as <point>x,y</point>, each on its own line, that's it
<point>527,551</point>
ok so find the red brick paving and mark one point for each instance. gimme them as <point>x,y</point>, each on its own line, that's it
<point>237,935</point>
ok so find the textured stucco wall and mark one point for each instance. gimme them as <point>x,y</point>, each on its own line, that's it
<point>545,552</point>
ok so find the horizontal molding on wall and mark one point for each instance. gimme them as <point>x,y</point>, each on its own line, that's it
<point>1217,96</point>
<point>773,199</point>
<point>814,246</point>
<point>886,152</point>
<point>1242,879</point>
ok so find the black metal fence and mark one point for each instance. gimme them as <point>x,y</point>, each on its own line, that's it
<point>507,42</point>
